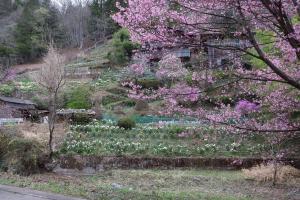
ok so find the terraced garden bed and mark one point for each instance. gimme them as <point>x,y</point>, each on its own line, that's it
<point>107,139</point>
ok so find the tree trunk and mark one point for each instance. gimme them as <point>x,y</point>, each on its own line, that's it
<point>51,124</point>
<point>291,81</point>
<point>50,142</point>
<point>275,172</point>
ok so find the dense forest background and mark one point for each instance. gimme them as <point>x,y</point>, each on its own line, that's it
<point>28,26</point>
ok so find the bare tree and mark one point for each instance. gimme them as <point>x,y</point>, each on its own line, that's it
<point>52,77</point>
<point>74,16</point>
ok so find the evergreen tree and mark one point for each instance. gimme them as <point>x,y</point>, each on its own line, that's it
<point>101,24</point>
<point>122,47</point>
<point>37,26</point>
<point>28,40</point>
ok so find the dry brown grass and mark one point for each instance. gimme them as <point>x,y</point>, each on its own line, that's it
<point>264,173</point>
<point>40,132</point>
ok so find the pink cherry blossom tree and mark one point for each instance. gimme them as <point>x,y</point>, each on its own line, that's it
<point>267,96</point>
<point>276,85</point>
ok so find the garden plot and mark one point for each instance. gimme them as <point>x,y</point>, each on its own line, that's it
<point>107,139</point>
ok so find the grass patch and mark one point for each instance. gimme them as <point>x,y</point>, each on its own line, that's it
<point>140,184</point>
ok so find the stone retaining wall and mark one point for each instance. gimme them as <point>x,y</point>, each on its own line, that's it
<point>99,163</point>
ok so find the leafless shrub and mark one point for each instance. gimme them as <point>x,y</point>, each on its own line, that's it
<point>51,77</point>
<point>265,173</point>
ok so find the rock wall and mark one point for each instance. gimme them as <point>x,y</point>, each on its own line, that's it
<point>98,163</point>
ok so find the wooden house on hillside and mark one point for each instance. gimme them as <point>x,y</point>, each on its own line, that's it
<point>13,110</point>
<point>215,49</point>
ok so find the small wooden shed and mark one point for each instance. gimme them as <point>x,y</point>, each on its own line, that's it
<point>16,108</point>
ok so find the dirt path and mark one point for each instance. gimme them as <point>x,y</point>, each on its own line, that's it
<point>16,193</point>
<point>69,54</point>
<point>26,67</point>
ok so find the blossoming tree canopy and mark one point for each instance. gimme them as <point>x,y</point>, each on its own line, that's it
<point>271,29</point>
<point>176,22</point>
<point>171,67</point>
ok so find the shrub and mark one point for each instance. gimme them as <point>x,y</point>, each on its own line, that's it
<point>141,105</point>
<point>265,173</point>
<point>41,102</point>
<point>117,56</point>
<point>7,89</point>
<point>81,118</point>
<point>79,98</point>
<point>129,103</point>
<point>4,141</point>
<point>23,156</point>
<point>149,83</point>
<point>126,123</point>
<point>122,47</point>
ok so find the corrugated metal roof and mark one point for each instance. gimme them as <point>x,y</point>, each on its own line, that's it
<point>16,101</point>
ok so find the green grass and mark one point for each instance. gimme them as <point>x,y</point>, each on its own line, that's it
<point>97,58</point>
<point>140,184</point>
<point>49,186</point>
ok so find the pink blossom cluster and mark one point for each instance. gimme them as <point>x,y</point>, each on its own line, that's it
<point>245,107</point>
<point>179,92</point>
<point>170,67</point>
<point>204,76</point>
<point>137,69</point>
<point>136,92</point>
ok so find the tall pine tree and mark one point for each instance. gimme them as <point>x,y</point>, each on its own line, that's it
<point>28,39</point>
<point>37,26</point>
